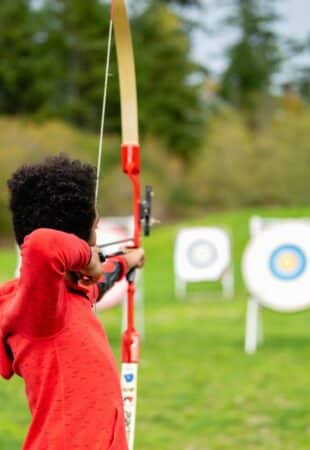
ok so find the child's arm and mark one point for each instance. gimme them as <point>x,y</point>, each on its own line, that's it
<point>46,257</point>
<point>114,270</point>
<point>123,262</point>
<point>116,267</point>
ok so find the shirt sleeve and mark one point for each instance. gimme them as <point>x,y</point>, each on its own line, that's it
<point>41,297</point>
<point>6,369</point>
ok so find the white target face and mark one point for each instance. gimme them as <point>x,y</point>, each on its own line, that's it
<point>201,254</point>
<point>276,266</point>
<point>108,231</point>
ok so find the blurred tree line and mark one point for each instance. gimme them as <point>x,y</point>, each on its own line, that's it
<point>237,139</point>
<point>53,65</point>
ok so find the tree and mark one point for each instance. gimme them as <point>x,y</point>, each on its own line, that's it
<point>195,3</point>
<point>54,65</point>
<point>253,59</point>
<point>169,103</point>
<point>75,41</point>
<point>170,97</point>
<point>18,67</point>
<point>299,67</point>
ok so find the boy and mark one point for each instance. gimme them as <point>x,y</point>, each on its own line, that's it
<point>49,334</point>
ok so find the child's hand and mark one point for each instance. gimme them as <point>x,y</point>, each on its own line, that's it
<point>134,257</point>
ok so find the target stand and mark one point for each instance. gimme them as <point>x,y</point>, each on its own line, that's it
<point>203,254</point>
<point>276,271</point>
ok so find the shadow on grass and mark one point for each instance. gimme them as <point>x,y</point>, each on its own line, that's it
<point>286,342</point>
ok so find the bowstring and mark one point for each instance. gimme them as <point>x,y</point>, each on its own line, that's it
<point>103,111</point>
<point>103,115</point>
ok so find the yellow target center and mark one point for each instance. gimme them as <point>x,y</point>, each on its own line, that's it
<point>288,261</point>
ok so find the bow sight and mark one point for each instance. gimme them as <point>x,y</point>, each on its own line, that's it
<point>145,218</point>
<point>146,211</point>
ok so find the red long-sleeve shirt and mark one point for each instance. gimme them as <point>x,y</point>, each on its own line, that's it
<point>50,336</point>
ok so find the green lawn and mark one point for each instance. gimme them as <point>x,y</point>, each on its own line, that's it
<point>197,388</point>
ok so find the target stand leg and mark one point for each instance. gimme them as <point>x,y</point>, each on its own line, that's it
<point>180,288</point>
<point>228,283</point>
<point>260,328</point>
<point>253,327</point>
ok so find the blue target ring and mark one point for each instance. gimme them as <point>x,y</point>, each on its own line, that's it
<point>288,262</point>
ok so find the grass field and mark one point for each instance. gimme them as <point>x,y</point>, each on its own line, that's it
<point>197,388</point>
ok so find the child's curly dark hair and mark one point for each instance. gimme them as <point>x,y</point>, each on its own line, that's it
<point>59,193</point>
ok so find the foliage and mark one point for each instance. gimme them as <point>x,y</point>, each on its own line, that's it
<point>299,81</point>
<point>173,111</point>
<point>236,169</point>
<point>53,65</point>
<point>253,59</point>
<point>197,388</point>
<point>231,170</point>
<point>24,142</point>
<point>184,2</point>
<point>18,65</point>
<point>75,34</point>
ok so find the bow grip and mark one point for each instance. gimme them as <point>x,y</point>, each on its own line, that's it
<point>131,275</point>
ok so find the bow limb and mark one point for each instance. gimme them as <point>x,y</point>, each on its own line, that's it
<point>129,107</point>
<point>130,151</point>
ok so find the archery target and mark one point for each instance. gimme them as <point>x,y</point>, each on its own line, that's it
<point>276,266</point>
<point>201,254</point>
<point>109,231</point>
